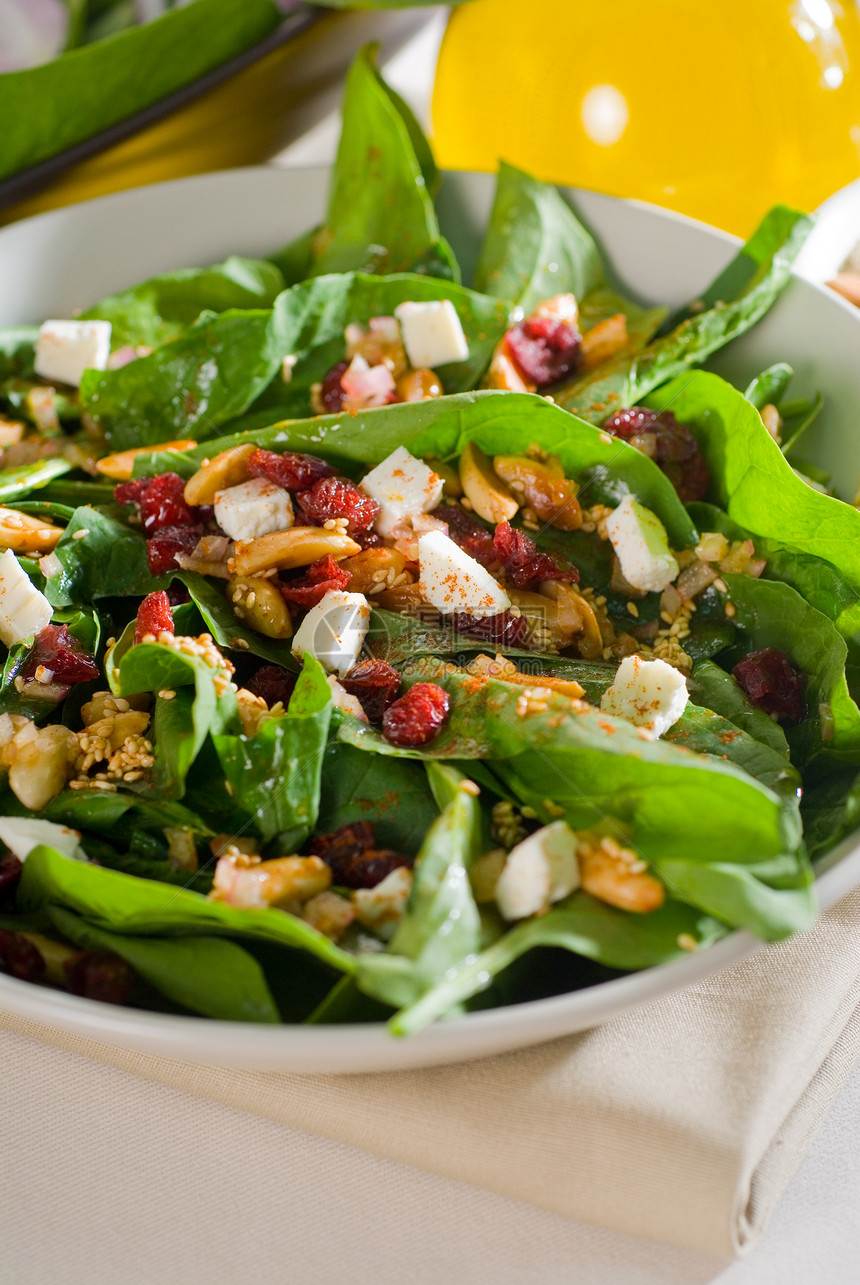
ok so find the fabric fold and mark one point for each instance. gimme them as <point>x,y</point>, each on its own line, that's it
<point>682,1121</point>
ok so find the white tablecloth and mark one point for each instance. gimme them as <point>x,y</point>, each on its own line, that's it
<point>111,1179</point>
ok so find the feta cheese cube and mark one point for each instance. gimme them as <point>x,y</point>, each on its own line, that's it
<point>540,870</point>
<point>432,333</point>
<point>252,509</point>
<point>342,699</point>
<point>452,581</point>
<point>22,834</point>
<point>334,631</point>
<point>640,541</point>
<point>404,486</point>
<point>65,349</point>
<point>647,693</point>
<point>381,908</point>
<point>24,611</point>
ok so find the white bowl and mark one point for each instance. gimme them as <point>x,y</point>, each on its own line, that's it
<point>67,259</point>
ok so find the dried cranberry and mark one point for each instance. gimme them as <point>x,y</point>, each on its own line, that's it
<point>153,616</point>
<point>671,445</point>
<point>272,684</point>
<point>337,497</point>
<point>98,975</point>
<point>293,471</point>
<point>417,717</point>
<point>162,549</point>
<point>19,957</point>
<point>376,684</point>
<point>130,492</point>
<point>161,501</point>
<point>544,350</point>
<point>58,650</point>
<point>352,857</point>
<point>177,594</point>
<point>320,577</point>
<point>523,564</point>
<point>367,539</point>
<point>331,390</point>
<point>772,684</point>
<point>465,530</point>
<point>10,875</point>
<point>504,629</point>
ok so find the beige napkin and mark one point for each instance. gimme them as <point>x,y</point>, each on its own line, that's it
<point>682,1121</point>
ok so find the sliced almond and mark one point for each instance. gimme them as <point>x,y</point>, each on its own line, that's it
<point>120,467</point>
<point>27,533</point>
<point>488,495</point>
<point>297,547</point>
<point>224,470</point>
<point>603,341</point>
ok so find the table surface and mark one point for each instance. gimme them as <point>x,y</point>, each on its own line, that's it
<point>113,1179</point>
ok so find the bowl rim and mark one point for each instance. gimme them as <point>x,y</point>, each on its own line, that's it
<point>371,1045</point>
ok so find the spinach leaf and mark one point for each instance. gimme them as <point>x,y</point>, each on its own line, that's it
<point>121,903</point>
<point>748,471</point>
<point>186,388</point>
<point>717,690</point>
<point>108,561</point>
<point>499,422</point>
<point>46,109</point>
<point>769,385</point>
<point>380,214</point>
<point>774,615</point>
<point>392,793</point>
<point>20,481</point>
<point>704,732</point>
<point>592,767</point>
<point>275,774</point>
<point>205,974</point>
<point>737,300</point>
<point>315,314</point>
<point>831,810</point>
<point>158,310</point>
<point>535,246</point>
<point>441,926</point>
<point>229,632</point>
<point>579,924</point>
<point>818,581</point>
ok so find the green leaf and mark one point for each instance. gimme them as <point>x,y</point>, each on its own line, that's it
<point>46,109</point>
<point>122,903</point>
<point>108,561</point>
<point>769,386</point>
<point>391,793</point>
<point>737,300</point>
<point>380,214</point>
<point>705,732</point>
<point>275,774</point>
<point>831,810</point>
<point>717,690</point>
<point>535,246</point>
<point>579,924</point>
<point>499,422</point>
<point>774,615</point>
<point>207,975</point>
<point>228,632</point>
<point>748,471</point>
<point>441,926</point>
<point>15,483</point>
<point>163,307</point>
<point>211,373</point>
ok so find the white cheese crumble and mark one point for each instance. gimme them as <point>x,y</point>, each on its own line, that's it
<point>334,631</point>
<point>404,487</point>
<point>647,693</point>
<point>640,541</point>
<point>65,349</point>
<point>22,834</point>
<point>538,871</point>
<point>432,333</point>
<point>24,611</point>
<point>252,509</point>
<point>452,581</point>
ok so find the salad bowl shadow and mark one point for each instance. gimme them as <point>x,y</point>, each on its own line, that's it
<point>63,260</point>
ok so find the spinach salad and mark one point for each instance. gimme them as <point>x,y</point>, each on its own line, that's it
<point>381,647</point>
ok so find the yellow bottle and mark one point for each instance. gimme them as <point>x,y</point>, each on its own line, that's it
<point>716,108</point>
